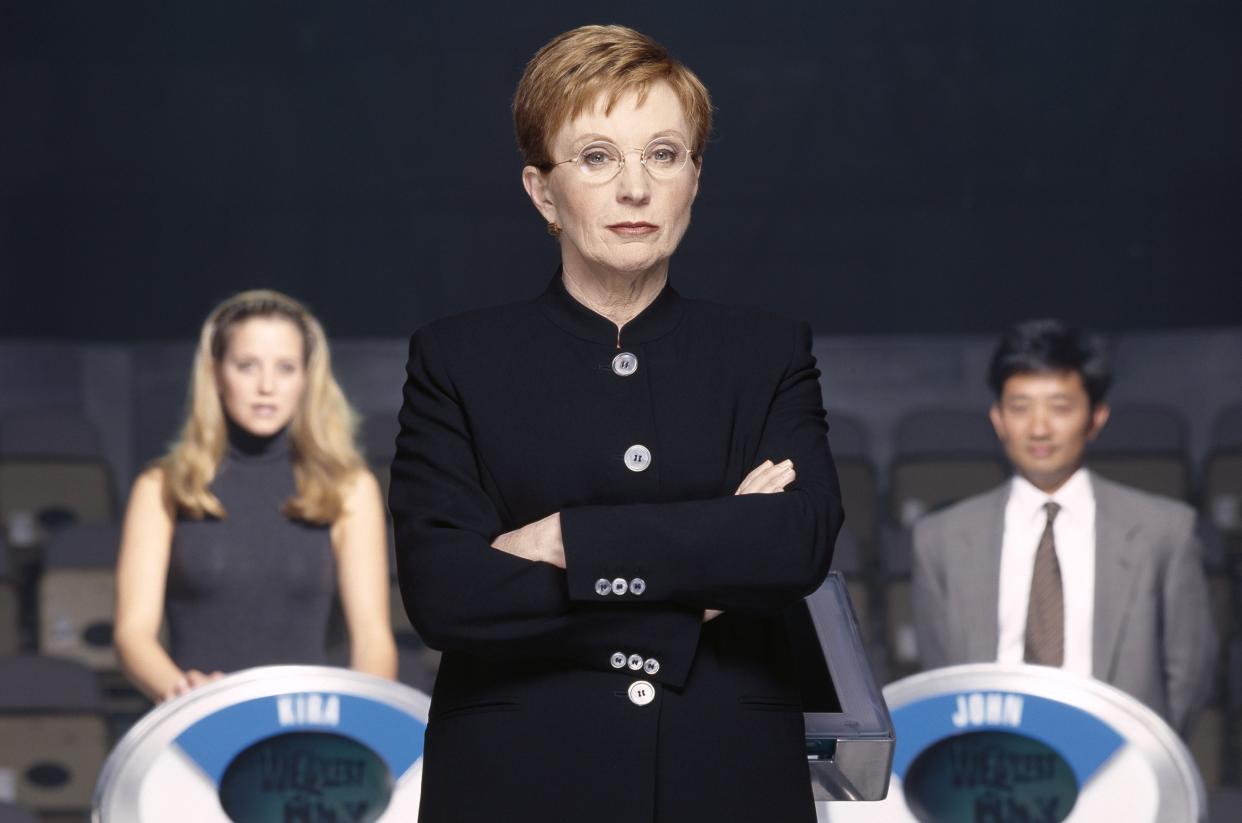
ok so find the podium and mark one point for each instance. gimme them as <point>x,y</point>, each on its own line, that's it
<point>996,742</point>
<point>303,744</point>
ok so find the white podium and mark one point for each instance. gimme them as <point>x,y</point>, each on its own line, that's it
<point>285,743</point>
<point>988,743</point>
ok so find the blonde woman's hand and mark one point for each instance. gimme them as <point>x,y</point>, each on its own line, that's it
<point>768,478</point>
<point>190,680</point>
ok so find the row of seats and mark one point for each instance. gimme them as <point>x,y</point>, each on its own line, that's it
<point>75,597</point>
<point>944,455</point>
<point>59,507</point>
<point>52,468</point>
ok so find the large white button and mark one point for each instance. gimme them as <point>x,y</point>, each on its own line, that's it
<point>624,364</point>
<point>641,692</point>
<point>635,661</point>
<point>603,586</point>
<point>638,585</point>
<point>619,586</point>
<point>637,458</point>
<point>618,660</point>
<point>651,665</point>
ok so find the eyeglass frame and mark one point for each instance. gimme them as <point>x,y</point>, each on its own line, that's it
<point>623,153</point>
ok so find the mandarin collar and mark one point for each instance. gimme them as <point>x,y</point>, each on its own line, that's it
<point>655,321</point>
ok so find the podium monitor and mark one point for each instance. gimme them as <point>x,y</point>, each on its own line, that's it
<point>849,734</point>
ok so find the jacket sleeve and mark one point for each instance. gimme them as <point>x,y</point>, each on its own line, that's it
<point>459,592</point>
<point>927,593</point>
<point>755,553</point>
<point>1189,638</point>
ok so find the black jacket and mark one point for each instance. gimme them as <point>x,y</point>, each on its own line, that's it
<point>513,413</point>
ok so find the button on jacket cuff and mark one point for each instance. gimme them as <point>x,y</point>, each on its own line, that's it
<point>660,633</point>
<point>595,581</point>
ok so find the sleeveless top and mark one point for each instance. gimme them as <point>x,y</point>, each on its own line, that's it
<point>256,587</point>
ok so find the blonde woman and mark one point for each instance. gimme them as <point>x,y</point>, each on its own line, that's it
<point>262,510</point>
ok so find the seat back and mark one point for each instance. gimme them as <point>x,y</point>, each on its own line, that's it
<point>77,596</point>
<point>1222,478</point>
<point>895,551</point>
<point>1144,447</point>
<point>379,435</point>
<point>9,813</point>
<point>856,473</point>
<point>53,737</point>
<point>9,629</point>
<point>942,456</point>
<point>52,470</point>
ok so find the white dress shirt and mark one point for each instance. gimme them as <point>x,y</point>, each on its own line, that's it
<point>1073,530</point>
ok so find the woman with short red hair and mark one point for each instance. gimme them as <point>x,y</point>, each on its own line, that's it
<point>606,497</point>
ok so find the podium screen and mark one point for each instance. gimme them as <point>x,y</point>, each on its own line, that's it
<point>306,777</point>
<point>990,775</point>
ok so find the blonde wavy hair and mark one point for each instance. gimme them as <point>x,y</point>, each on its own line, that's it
<point>321,432</point>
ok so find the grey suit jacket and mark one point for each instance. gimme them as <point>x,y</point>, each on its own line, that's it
<point>1153,633</point>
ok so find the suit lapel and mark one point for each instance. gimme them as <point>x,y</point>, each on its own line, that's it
<point>982,538</point>
<point>1114,576</point>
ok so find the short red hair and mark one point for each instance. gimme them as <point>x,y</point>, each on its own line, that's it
<point>568,75</point>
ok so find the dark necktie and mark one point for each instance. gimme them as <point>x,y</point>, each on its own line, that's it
<point>1045,616</point>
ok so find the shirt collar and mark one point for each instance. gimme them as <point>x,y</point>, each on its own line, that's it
<point>1076,497</point>
<point>655,321</point>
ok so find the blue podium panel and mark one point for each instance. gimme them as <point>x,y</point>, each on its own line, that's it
<point>990,742</point>
<point>300,743</point>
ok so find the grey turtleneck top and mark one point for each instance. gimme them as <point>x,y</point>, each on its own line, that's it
<point>254,588</point>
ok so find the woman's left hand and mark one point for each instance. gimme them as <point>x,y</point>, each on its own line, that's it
<point>539,541</point>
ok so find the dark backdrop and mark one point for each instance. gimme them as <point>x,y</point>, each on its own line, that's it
<point>877,165</point>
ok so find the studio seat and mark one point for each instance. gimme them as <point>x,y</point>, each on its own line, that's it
<point>77,600</point>
<point>1144,447</point>
<point>857,475</point>
<point>10,813</point>
<point>53,737</point>
<point>379,445</point>
<point>10,630</point>
<point>77,595</point>
<point>942,455</point>
<point>1223,804</point>
<point>52,473</point>
<point>1222,478</point>
<point>896,552</point>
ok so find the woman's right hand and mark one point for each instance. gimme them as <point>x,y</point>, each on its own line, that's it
<point>766,478</point>
<point>191,679</point>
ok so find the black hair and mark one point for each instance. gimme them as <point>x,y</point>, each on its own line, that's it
<point>1048,345</point>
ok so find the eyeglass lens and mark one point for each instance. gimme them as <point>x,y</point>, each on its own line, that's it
<point>661,157</point>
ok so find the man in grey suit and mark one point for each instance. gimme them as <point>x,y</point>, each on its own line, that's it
<point>1059,566</point>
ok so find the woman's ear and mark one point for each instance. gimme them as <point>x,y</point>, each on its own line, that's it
<point>537,189</point>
